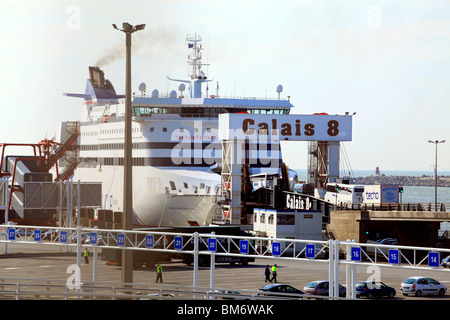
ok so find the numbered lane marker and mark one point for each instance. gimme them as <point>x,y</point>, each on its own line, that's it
<point>212,245</point>
<point>356,254</point>
<point>310,251</point>
<point>394,256</point>
<point>178,243</point>
<point>149,241</point>
<point>276,248</point>
<point>243,246</point>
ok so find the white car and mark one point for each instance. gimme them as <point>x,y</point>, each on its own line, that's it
<point>422,285</point>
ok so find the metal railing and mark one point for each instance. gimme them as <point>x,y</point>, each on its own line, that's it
<point>51,289</point>
<point>332,252</point>
<point>395,206</point>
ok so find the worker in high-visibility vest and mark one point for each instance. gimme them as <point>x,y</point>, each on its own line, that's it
<point>159,273</point>
<point>86,256</point>
<point>274,273</point>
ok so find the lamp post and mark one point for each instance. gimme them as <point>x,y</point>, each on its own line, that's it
<point>436,142</point>
<point>127,255</point>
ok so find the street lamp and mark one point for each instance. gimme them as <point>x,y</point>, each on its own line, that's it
<point>127,255</point>
<point>436,142</point>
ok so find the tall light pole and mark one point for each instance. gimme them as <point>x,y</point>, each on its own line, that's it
<point>436,142</point>
<point>127,255</point>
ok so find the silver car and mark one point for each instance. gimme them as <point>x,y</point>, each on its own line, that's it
<point>422,285</point>
<point>320,288</point>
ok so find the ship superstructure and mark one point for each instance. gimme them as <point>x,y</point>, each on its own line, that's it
<point>175,144</point>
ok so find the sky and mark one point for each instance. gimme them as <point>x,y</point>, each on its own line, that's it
<point>388,61</point>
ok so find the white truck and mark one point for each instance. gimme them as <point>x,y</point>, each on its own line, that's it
<point>380,195</point>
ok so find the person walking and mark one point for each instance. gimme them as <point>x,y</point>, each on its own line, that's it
<point>267,273</point>
<point>86,256</point>
<point>159,273</point>
<point>274,273</point>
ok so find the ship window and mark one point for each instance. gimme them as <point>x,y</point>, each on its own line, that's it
<point>152,129</point>
<point>164,130</point>
<point>185,185</point>
<point>172,185</point>
<point>202,185</point>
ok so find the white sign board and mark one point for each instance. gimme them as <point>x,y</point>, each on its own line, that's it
<point>378,194</point>
<point>294,127</point>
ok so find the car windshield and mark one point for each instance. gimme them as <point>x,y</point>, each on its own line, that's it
<point>409,281</point>
<point>312,285</point>
<point>360,284</point>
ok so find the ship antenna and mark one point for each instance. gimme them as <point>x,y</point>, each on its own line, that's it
<point>195,61</point>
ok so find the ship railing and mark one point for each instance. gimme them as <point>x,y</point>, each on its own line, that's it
<point>395,207</point>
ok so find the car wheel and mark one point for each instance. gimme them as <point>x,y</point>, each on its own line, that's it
<point>441,292</point>
<point>369,295</point>
<point>391,294</point>
<point>418,293</point>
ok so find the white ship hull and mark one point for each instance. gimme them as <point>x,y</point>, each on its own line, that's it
<point>153,204</point>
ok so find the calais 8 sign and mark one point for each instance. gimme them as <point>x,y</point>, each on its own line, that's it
<point>295,127</point>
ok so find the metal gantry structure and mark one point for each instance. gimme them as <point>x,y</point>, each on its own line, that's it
<point>333,252</point>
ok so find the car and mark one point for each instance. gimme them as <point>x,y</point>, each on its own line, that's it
<point>320,288</point>
<point>422,285</point>
<point>372,289</point>
<point>280,290</point>
<point>446,262</point>
<point>388,241</point>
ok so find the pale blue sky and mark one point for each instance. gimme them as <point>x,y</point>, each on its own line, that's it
<point>386,60</point>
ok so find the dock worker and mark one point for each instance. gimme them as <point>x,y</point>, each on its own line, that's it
<point>267,273</point>
<point>274,273</point>
<point>86,256</point>
<point>159,273</point>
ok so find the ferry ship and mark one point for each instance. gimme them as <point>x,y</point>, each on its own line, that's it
<point>175,145</point>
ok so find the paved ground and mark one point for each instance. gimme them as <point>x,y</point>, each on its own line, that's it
<point>32,261</point>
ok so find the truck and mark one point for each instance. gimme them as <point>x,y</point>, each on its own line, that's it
<point>380,194</point>
<point>150,258</point>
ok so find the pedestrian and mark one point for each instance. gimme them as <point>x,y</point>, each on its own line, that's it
<point>274,273</point>
<point>267,273</point>
<point>86,256</point>
<point>159,273</point>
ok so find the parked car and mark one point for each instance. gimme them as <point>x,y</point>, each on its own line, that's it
<point>371,289</point>
<point>389,241</point>
<point>422,285</point>
<point>278,290</point>
<point>446,262</point>
<point>320,288</point>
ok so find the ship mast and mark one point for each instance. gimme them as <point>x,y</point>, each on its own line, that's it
<point>195,61</point>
